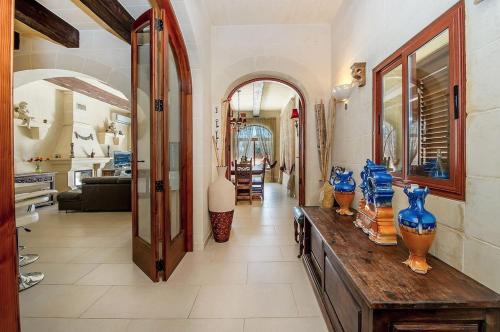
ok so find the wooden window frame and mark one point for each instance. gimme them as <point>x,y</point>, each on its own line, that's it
<point>454,21</point>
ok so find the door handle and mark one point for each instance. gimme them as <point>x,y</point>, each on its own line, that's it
<point>456,104</point>
<point>141,161</point>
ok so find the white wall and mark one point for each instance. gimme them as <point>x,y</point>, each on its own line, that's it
<point>468,232</point>
<point>101,55</point>
<point>298,53</point>
<point>46,101</point>
<point>196,29</point>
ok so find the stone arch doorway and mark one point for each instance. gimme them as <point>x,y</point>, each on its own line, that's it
<point>301,124</point>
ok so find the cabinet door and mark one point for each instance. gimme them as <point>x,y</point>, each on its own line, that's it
<point>346,309</point>
<point>317,248</point>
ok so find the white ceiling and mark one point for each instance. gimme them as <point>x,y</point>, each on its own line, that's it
<point>254,12</point>
<point>274,97</point>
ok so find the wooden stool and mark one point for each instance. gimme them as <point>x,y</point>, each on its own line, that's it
<point>298,226</point>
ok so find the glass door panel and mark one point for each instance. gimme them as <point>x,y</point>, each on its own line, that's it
<point>147,157</point>
<point>143,144</point>
<point>174,145</point>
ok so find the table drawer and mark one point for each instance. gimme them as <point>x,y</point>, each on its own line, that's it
<point>347,310</point>
<point>441,327</point>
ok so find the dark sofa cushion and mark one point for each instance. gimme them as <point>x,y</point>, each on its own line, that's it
<point>107,180</point>
<point>72,195</point>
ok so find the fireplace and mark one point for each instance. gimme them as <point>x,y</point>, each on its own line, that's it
<point>79,175</point>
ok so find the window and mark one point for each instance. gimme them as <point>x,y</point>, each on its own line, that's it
<point>258,137</point>
<point>419,108</point>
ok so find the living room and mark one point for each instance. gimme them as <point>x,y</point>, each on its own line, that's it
<point>72,175</point>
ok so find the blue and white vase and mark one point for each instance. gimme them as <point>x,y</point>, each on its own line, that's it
<point>418,228</point>
<point>344,185</point>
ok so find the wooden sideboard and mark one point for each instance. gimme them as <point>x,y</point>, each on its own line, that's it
<point>46,178</point>
<point>365,287</point>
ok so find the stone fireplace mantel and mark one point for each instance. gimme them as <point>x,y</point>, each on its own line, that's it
<point>65,168</point>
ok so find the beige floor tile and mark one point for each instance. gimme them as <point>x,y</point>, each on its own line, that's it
<point>56,255</point>
<point>115,274</point>
<point>290,252</point>
<point>276,272</point>
<point>198,273</point>
<point>105,255</point>
<point>306,300</point>
<point>59,301</point>
<point>73,325</point>
<point>261,240</point>
<point>149,302</point>
<point>241,301</point>
<point>60,274</point>
<point>186,325</point>
<point>247,253</point>
<point>253,230</point>
<point>285,324</point>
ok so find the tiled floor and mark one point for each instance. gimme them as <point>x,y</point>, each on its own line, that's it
<point>253,283</point>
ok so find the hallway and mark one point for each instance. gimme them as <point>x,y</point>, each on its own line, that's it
<point>252,283</point>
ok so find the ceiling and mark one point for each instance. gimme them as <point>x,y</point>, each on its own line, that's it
<point>71,12</point>
<point>254,12</point>
<point>274,97</point>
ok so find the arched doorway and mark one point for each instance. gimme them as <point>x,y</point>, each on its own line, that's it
<point>301,126</point>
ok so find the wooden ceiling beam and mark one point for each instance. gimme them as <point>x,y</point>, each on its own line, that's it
<point>89,90</point>
<point>39,18</point>
<point>113,14</point>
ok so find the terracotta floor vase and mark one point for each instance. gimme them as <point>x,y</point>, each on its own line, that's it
<point>345,200</point>
<point>418,245</point>
<point>221,225</point>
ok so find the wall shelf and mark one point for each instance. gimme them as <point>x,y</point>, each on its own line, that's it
<point>109,138</point>
<point>37,130</point>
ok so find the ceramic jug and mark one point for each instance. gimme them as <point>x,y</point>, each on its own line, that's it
<point>418,228</point>
<point>344,185</point>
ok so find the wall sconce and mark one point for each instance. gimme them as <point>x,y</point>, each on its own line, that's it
<point>295,118</point>
<point>342,93</point>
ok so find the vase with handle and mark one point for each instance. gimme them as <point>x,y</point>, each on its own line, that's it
<point>344,185</point>
<point>418,228</point>
<point>221,205</point>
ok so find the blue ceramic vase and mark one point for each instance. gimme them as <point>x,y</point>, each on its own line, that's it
<point>418,228</point>
<point>344,185</point>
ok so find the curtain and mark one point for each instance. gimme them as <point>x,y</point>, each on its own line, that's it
<point>288,136</point>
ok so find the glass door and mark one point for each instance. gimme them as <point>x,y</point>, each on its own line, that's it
<point>162,144</point>
<point>147,161</point>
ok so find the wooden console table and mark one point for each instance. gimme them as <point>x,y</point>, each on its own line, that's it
<point>34,178</point>
<point>365,287</point>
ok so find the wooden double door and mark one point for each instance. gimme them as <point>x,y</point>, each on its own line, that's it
<point>161,145</point>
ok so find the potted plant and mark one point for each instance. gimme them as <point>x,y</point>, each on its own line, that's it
<point>221,192</point>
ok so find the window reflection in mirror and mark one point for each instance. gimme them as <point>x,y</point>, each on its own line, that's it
<point>392,119</point>
<point>428,116</point>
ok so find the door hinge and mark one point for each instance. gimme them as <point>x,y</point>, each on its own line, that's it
<point>159,186</point>
<point>159,105</point>
<point>160,265</point>
<point>159,24</point>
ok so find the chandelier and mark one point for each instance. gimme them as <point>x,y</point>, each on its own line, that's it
<point>240,120</point>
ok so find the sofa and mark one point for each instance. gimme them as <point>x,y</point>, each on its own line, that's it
<point>98,194</point>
